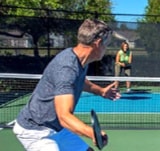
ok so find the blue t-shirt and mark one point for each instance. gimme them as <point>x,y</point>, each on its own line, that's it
<point>63,75</point>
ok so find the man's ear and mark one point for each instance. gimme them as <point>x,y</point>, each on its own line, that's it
<point>98,42</point>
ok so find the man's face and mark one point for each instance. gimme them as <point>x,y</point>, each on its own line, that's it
<point>107,39</point>
<point>103,45</point>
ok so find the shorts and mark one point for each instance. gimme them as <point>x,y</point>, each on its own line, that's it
<point>119,69</point>
<point>49,140</point>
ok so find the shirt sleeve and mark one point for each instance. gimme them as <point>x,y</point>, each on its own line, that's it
<point>64,81</point>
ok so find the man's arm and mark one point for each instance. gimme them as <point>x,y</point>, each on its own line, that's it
<point>64,106</point>
<point>92,88</point>
<point>107,92</point>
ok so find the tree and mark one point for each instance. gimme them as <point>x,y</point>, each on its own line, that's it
<point>149,29</point>
<point>40,23</point>
<point>90,8</point>
<point>102,7</point>
<point>152,12</point>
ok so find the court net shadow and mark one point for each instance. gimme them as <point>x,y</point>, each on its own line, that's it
<point>136,98</point>
<point>139,91</point>
<point>134,94</point>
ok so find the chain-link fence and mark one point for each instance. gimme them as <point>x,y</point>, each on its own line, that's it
<point>52,31</point>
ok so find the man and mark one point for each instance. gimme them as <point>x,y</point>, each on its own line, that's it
<point>47,122</point>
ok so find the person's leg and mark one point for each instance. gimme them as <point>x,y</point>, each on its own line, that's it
<point>117,73</point>
<point>128,83</point>
<point>128,86</point>
<point>35,140</point>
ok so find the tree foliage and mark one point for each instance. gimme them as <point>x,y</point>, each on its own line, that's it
<point>101,7</point>
<point>153,11</point>
<point>149,29</point>
<point>41,12</point>
<point>48,4</point>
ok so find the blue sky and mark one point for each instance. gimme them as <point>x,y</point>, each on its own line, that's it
<point>128,7</point>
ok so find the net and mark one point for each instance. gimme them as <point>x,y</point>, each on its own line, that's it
<point>15,90</point>
<point>139,108</point>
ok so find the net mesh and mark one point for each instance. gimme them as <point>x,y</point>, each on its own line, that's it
<point>139,108</point>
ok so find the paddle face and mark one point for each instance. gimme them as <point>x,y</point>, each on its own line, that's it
<point>101,141</point>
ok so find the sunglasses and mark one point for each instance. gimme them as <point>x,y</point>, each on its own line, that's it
<point>106,38</point>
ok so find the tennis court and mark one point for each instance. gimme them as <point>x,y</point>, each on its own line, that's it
<point>119,140</point>
<point>135,101</point>
<point>132,123</point>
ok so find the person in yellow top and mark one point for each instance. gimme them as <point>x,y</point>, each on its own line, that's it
<point>123,63</point>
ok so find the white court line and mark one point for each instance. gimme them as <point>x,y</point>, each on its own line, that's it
<point>9,124</point>
<point>119,112</point>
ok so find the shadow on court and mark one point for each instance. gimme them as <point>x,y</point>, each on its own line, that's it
<point>139,91</point>
<point>137,94</point>
<point>134,98</point>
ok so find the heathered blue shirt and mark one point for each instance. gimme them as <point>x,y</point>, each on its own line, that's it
<point>63,75</point>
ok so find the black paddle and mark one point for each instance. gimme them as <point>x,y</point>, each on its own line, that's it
<point>101,141</point>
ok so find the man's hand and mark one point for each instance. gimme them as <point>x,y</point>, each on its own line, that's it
<point>110,92</point>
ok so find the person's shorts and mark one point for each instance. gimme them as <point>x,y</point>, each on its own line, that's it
<point>119,69</point>
<point>69,141</point>
<point>48,139</point>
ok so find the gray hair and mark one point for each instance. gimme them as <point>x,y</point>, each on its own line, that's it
<point>91,30</point>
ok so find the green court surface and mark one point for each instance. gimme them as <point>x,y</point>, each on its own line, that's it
<point>9,142</point>
<point>132,140</point>
<point>139,131</point>
<point>119,140</point>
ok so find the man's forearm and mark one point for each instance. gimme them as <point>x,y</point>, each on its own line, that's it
<point>93,88</point>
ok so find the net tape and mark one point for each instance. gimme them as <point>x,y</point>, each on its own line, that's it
<point>92,78</point>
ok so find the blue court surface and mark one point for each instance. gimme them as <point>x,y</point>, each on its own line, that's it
<point>129,102</point>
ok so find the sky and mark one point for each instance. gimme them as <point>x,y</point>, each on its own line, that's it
<point>128,7</point>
